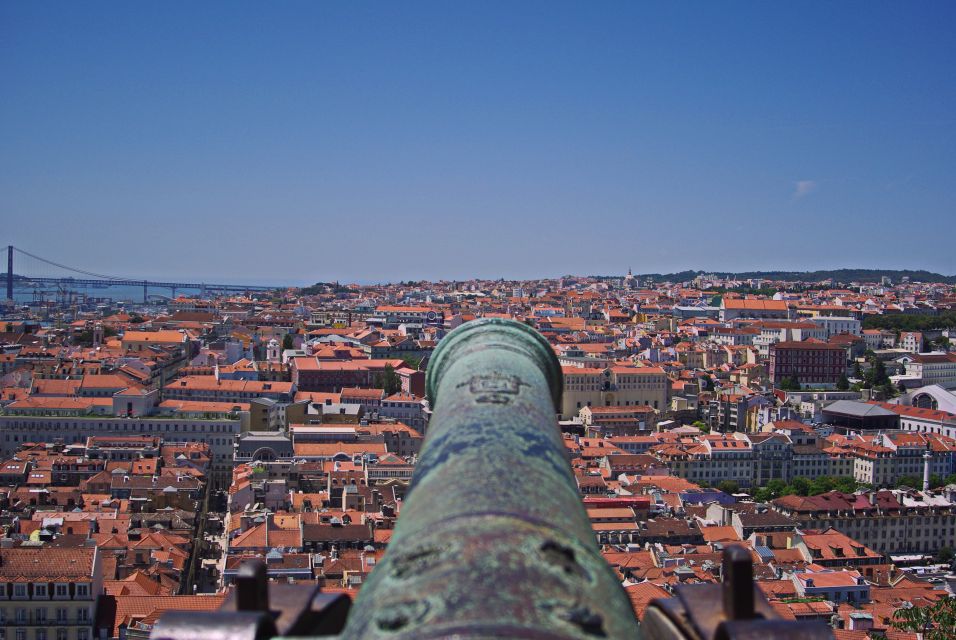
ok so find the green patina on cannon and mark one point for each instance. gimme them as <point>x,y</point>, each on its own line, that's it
<point>493,540</point>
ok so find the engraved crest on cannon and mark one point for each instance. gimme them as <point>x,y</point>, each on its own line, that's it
<point>494,388</point>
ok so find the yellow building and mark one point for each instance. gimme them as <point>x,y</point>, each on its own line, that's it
<point>617,386</point>
<point>136,341</point>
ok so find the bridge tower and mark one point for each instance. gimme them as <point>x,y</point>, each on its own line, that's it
<point>10,272</point>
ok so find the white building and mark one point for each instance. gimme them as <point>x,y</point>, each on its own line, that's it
<point>911,341</point>
<point>407,408</point>
<point>925,420</point>
<point>932,368</point>
<point>218,433</point>
<point>774,331</point>
<point>836,325</point>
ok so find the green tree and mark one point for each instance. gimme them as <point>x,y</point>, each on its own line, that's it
<point>881,376</point>
<point>287,342</point>
<point>843,383</point>
<point>846,484</point>
<point>700,424</point>
<point>913,482</point>
<point>729,486</point>
<point>777,487</point>
<point>857,371</point>
<point>801,486</point>
<point>85,338</point>
<point>935,622</point>
<point>877,373</point>
<point>905,322</point>
<point>945,555</point>
<point>823,484</point>
<point>412,361</point>
<point>789,383</point>
<point>889,390</point>
<point>390,381</point>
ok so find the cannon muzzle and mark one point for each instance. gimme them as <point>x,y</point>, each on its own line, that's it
<point>493,540</point>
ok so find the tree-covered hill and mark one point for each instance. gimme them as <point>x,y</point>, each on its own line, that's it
<point>836,275</point>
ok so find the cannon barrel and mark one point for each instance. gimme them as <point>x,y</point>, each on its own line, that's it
<point>493,540</point>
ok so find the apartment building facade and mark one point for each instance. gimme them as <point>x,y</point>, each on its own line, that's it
<point>815,364</point>
<point>616,386</point>
<point>48,593</point>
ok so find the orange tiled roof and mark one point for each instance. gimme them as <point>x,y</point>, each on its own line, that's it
<point>53,564</point>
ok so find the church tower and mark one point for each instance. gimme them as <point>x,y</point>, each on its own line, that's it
<point>273,352</point>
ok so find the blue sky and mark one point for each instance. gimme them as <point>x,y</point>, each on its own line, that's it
<point>303,141</point>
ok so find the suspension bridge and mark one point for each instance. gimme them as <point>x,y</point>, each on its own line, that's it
<point>26,271</point>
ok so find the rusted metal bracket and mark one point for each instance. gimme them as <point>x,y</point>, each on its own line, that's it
<point>733,610</point>
<point>254,611</point>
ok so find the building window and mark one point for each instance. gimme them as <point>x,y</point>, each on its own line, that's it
<point>61,591</point>
<point>39,590</point>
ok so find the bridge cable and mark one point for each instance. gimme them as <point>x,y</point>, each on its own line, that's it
<point>63,266</point>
